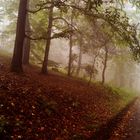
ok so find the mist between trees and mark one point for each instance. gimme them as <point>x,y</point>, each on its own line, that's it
<point>94,40</point>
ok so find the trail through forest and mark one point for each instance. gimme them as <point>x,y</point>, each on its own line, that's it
<point>129,127</point>
<point>133,129</point>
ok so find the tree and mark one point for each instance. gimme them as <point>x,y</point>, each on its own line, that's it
<point>48,40</point>
<point>27,41</point>
<point>53,18</point>
<point>70,46</point>
<point>16,65</point>
<point>93,69</point>
<point>80,42</point>
<point>105,64</point>
<point>47,18</point>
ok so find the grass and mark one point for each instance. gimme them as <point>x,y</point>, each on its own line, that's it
<point>125,96</point>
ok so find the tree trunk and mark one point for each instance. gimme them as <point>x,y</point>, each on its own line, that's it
<point>105,64</point>
<point>70,56</point>
<point>121,75</point>
<point>93,66</point>
<point>48,41</point>
<point>26,48</point>
<point>70,50</point>
<point>16,64</point>
<point>80,57</point>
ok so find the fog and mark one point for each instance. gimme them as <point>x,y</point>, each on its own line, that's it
<point>122,70</point>
<point>124,75</point>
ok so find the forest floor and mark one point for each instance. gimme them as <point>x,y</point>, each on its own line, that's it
<point>54,107</point>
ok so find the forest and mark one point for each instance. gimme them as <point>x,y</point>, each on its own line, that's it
<point>69,69</point>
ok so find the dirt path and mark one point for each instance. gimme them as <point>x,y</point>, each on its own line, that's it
<point>133,129</point>
<point>111,130</point>
<point>129,127</point>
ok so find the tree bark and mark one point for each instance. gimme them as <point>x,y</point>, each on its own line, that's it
<point>16,64</point>
<point>70,49</point>
<point>27,41</point>
<point>105,65</point>
<point>70,56</point>
<point>80,57</point>
<point>48,41</point>
<point>93,66</point>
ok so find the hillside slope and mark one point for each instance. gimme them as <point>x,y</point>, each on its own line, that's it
<point>53,107</point>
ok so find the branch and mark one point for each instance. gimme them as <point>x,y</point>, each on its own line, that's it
<point>63,34</point>
<point>56,35</point>
<point>61,18</point>
<point>69,24</point>
<point>37,38</point>
<point>41,7</point>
